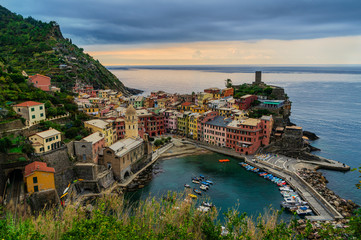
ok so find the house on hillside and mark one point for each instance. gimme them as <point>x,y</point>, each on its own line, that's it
<point>33,112</point>
<point>38,177</point>
<point>40,81</point>
<point>46,141</point>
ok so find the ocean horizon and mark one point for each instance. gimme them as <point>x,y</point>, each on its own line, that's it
<point>325,100</point>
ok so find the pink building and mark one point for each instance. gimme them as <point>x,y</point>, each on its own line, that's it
<point>215,131</point>
<point>207,116</point>
<point>40,81</point>
<point>245,101</point>
<point>88,149</point>
<point>169,123</point>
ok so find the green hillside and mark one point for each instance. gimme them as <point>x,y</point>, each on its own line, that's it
<point>34,46</point>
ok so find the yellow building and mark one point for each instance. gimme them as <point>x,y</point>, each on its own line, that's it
<point>33,112</point>
<point>98,125</point>
<point>46,141</point>
<point>182,120</point>
<point>203,97</point>
<point>131,122</point>
<point>196,109</point>
<point>94,111</point>
<point>39,177</point>
<point>193,125</point>
<point>162,103</point>
<point>225,112</point>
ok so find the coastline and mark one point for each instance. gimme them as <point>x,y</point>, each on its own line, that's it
<point>182,149</point>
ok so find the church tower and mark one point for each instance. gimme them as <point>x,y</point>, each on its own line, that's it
<point>131,122</point>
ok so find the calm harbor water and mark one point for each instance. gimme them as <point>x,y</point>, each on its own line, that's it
<point>234,186</point>
<point>325,100</point>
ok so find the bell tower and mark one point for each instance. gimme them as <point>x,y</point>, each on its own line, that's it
<point>131,122</point>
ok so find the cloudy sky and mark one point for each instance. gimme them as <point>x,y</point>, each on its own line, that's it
<point>141,32</point>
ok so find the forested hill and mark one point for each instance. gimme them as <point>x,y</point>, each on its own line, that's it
<point>38,47</point>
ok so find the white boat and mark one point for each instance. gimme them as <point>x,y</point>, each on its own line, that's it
<point>286,194</point>
<point>204,187</point>
<point>203,209</point>
<point>303,210</point>
<point>286,189</point>
<point>195,181</point>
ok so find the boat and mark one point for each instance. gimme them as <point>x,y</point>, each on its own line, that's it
<point>201,176</point>
<point>303,210</point>
<point>192,195</point>
<point>187,186</point>
<point>203,209</point>
<point>207,204</point>
<point>197,191</point>
<point>195,181</point>
<point>205,183</point>
<point>224,160</point>
<point>209,181</point>
<point>286,188</point>
<point>204,187</point>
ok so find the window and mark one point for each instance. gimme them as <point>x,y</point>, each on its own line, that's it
<point>35,179</point>
<point>57,137</point>
<point>41,107</point>
<point>33,117</point>
<point>36,189</point>
<point>18,109</point>
<point>32,109</point>
<point>48,147</point>
<point>41,114</point>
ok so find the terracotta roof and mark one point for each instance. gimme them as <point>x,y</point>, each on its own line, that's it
<point>38,75</point>
<point>28,104</point>
<point>186,103</point>
<point>37,166</point>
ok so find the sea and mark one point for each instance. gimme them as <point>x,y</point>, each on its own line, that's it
<point>326,100</point>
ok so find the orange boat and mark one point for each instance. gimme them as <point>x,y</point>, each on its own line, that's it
<point>224,160</point>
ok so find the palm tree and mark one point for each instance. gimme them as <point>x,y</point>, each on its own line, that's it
<point>228,83</point>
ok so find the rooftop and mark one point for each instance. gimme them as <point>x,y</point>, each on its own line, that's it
<point>48,133</point>
<point>98,123</point>
<point>125,145</point>
<point>220,121</point>
<point>37,166</point>
<point>93,138</point>
<point>28,104</point>
<point>248,122</point>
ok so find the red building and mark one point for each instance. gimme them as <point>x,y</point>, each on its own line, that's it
<point>246,101</point>
<point>207,116</point>
<point>40,81</point>
<point>152,124</point>
<point>248,135</point>
<point>227,92</point>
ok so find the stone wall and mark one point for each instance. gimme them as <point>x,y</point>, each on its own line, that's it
<point>39,200</point>
<point>70,147</point>
<point>17,124</point>
<point>83,149</point>
<point>86,171</point>
<point>60,161</point>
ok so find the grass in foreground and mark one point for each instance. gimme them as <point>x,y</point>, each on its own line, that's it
<point>172,218</point>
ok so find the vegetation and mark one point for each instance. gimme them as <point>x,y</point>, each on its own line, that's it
<point>257,113</point>
<point>168,218</point>
<point>245,89</point>
<point>162,141</point>
<point>39,47</point>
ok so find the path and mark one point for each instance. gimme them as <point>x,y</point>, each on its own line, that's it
<point>286,168</point>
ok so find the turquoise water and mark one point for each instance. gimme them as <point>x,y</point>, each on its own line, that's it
<point>234,186</point>
<point>325,100</point>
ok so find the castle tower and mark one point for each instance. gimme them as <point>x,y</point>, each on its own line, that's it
<point>131,122</point>
<point>258,79</point>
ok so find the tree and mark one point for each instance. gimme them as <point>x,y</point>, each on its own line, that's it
<point>5,144</point>
<point>158,142</point>
<point>228,83</point>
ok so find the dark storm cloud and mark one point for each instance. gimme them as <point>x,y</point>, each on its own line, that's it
<point>147,21</point>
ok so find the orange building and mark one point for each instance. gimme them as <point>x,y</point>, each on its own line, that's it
<point>39,177</point>
<point>40,81</point>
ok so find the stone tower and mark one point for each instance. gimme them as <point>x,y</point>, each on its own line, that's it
<point>131,122</point>
<point>258,79</point>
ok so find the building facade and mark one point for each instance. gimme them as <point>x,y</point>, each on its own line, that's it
<point>38,177</point>
<point>33,112</point>
<point>46,141</point>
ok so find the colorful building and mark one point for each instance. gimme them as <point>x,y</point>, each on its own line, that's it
<point>246,101</point>
<point>38,177</point>
<point>182,122</point>
<point>46,141</point>
<point>88,149</point>
<point>246,136</point>
<point>33,112</point>
<point>98,125</point>
<point>193,125</point>
<point>40,81</point>
<point>207,116</point>
<point>215,131</point>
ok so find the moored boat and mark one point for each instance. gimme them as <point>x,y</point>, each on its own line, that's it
<point>204,187</point>
<point>192,195</point>
<point>187,186</point>
<point>209,181</point>
<point>195,181</point>
<point>197,191</point>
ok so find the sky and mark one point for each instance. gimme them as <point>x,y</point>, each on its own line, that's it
<point>196,32</point>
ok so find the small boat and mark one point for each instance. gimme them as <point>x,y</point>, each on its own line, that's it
<point>209,181</point>
<point>203,209</point>
<point>195,181</point>
<point>207,204</point>
<point>224,160</point>
<point>303,210</point>
<point>187,186</point>
<point>205,183</point>
<point>197,191</point>
<point>192,195</point>
<point>201,176</point>
<point>204,187</point>
<point>286,188</point>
